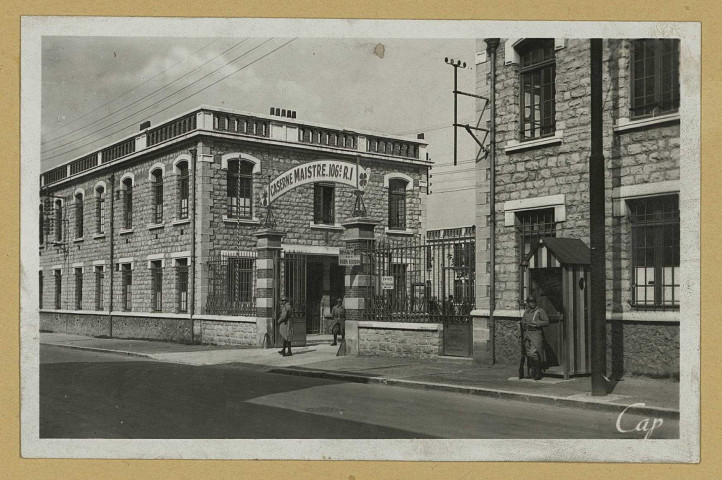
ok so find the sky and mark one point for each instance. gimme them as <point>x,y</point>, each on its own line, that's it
<point>96,90</point>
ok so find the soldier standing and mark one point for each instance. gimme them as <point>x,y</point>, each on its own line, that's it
<point>339,317</point>
<point>532,323</point>
<point>285,326</point>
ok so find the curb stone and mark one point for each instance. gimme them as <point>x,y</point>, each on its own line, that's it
<point>103,350</point>
<point>557,401</point>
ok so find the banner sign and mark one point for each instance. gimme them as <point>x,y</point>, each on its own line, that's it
<point>319,171</point>
<point>347,257</point>
<point>387,282</point>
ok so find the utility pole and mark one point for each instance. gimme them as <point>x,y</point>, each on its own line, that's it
<point>456,64</point>
<point>491,46</point>
<point>598,307</point>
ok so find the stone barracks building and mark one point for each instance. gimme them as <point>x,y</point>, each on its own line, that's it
<point>542,200</point>
<point>165,235</point>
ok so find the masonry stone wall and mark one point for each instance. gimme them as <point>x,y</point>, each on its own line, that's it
<point>399,343</point>
<point>88,325</point>
<point>633,157</point>
<point>217,332</point>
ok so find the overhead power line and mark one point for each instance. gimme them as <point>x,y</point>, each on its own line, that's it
<point>129,91</point>
<point>452,190</point>
<point>430,128</point>
<point>164,87</point>
<point>175,103</point>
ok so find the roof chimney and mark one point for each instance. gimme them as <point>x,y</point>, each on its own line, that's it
<point>145,125</point>
<point>420,136</point>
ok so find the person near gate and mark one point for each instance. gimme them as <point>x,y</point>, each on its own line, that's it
<point>339,318</point>
<point>532,323</point>
<point>285,326</point>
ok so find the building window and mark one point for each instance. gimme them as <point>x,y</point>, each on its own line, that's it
<point>397,204</point>
<point>240,189</point>
<point>654,77</point>
<point>183,190</point>
<point>655,251</point>
<point>157,186</point>
<point>79,215</point>
<point>536,79</point>
<point>78,288</point>
<point>99,287</point>
<point>41,229</point>
<point>128,203</point>
<point>323,204</point>
<point>126,279</point>
<point>58,221</point>
<point>531,226</point>
<point>40,289</point>
<point>156,285</point>
<point>58,289</point>
<point>100,210</point>
<point>182,284</point>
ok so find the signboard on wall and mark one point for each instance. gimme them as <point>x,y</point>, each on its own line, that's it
<point>347,257</point>
<point>333,171</point>
<point>387,282</point>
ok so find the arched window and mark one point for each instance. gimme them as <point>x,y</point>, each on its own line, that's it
<point>183,190</point>
<point>240,189</point>
<point>128,203</point>
<point>79,212</point>
<point>397,204</point>
<point>100,210</point>
<point>157,187</point>
<point>537,76</point>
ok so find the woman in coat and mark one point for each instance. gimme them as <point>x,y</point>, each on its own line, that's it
<point>532,322</point>
<point>285,326</point>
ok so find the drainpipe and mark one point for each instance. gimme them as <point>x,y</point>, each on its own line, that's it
<point>111,193</point>
<point>491,46</point>
<point>192,302</point>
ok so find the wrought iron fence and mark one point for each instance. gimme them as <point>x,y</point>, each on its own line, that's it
<point>422,281</point>
<point>232,284</point>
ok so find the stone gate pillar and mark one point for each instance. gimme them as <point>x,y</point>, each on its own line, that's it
<point>268,247</point>
<point>359,235</point>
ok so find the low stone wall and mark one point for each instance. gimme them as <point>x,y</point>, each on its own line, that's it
<point>91,325</point>
<point>153,328</point>
<point>400,339</point>
<point>633,348</point>
<point>229,332</point>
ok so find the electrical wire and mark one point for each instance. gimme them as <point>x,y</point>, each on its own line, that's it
<point>143,98</point>
<point>179,101</point>
<point>430,128</point>
<point>129,91</point>
<point>452,190</point>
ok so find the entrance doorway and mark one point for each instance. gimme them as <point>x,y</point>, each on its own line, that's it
<point>314,295</point>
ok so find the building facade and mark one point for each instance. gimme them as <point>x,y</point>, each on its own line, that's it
<point>156,236</point>
<point>543,129</point>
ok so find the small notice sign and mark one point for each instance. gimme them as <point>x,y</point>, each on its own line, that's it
<point>347,257</point>
<point>387,282</point>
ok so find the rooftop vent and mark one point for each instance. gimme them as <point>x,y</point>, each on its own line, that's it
<point>283,112</point>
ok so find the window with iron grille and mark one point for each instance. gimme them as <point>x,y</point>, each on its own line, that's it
<point>183,190</point>
<point>240,189</point>
<point>537,77</point>
<point>182,284</point>
<point>128,203</point>
<point>531,226</point>
<point>58,289</point>
<point>397,204</point>
<point>654,76</point>
<point>78,288</point>
<point>126,277</point>
<point>58,221</point>
<point>156,285</point>
<point>323,204</point>
<point>655,252</point>
<point>157,186</point>
<point>100,210</point>
<point>79,215</point>
<point>99,287</point>
<point>40,289</point>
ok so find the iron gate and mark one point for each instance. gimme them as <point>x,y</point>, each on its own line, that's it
<point>433,282</point>
<point>232,284</point>
<point>294,287</point>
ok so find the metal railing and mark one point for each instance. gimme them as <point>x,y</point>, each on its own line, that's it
<point>232,284</point>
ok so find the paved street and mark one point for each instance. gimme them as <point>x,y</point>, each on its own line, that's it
<point>104,395</point>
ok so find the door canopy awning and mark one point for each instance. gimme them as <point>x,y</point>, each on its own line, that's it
<point>566,251</point>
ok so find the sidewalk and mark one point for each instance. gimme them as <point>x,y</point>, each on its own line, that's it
<point>660,396</point>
